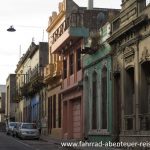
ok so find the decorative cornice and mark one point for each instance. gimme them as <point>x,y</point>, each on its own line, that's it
<point>31,48</point>
<point>128,27</point>
<point>145,55</point>
<point>97,61</point>
<point>55,21</point>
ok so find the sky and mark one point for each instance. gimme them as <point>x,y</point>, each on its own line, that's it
<point>30,19</point>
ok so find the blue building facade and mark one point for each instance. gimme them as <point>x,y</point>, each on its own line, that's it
<point>35,108</point>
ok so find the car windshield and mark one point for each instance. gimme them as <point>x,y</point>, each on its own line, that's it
<point>12,124</point>
<point>29,126</point>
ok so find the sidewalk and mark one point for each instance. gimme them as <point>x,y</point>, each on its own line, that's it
<point>56,141</point>
<point>49,139</point>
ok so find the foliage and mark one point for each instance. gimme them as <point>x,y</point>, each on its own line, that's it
<point>95,40</point>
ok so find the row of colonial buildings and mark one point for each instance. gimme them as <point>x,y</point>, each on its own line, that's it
<point>92,78</point>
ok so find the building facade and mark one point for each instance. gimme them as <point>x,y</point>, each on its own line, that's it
<point>68,46</point>
<point>72,26</point>
<point>130,44</point>
<point>97,89</point>
<point>53,74</point>
<point>2,103</point>
<point>30,73</point>
<point>20,79</point>
<point>11,104</point>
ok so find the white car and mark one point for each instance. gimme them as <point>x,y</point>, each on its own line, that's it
<point>9,127</point>
<point>28,131</point>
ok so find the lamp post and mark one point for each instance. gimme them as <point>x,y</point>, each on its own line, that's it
<point>22,78</point>
<point>11,29</point>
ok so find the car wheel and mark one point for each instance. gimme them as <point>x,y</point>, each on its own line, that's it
<point>21,138</point>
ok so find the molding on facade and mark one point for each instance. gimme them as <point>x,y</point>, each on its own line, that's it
<point>145,55</point>
<point>129,57</point>
<point>129,26</point>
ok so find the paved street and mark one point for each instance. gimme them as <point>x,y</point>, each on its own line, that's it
<point>8,142</point>
<point>11,143</point>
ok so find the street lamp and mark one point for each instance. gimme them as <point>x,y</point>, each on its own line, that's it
<point>11,29</point>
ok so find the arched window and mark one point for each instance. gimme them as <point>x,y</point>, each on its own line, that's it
<point>71,63</point>
<point>65,68</point>
<point>86,95</point>
<point>129,98</point>
<point>144,103</point>
<point>94,101</point>
<point>104,98</point>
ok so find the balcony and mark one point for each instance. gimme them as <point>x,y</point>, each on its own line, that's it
<point>48,72</point>
<point>70,30</point>
<point>18,96</point>
<point>58,69</point>
<point>36,74</point>
<point>25,89</point>
<point>33,82</point>
<point>36,83</point>
<point>52,71</point>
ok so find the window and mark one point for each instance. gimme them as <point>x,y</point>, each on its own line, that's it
<point>87,100</point>
<point>29,126</point>
<point>144,105</point>
<point>59,111</point>
<point>142,5</point>
<point>0,103</point>
<point>54,111</point>
<point>104,98</point>
<point>65,68</point>
<point>49,114</point>
<point>78,59</point>
<point>129,98</point>
<point>71,63</point>
<point>94,102</point>
<point>116,24</point>
<point>42,105</point>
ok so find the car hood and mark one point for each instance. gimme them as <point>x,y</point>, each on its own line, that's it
<point>29,130</point>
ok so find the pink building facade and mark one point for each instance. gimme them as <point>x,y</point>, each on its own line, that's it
<point>72,99</point>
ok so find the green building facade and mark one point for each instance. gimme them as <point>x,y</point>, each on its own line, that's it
<point>97,89</point>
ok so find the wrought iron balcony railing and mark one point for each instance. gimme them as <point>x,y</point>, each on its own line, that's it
<point>33,82</point>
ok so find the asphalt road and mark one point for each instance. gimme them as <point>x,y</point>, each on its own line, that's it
<point>11,143</point>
